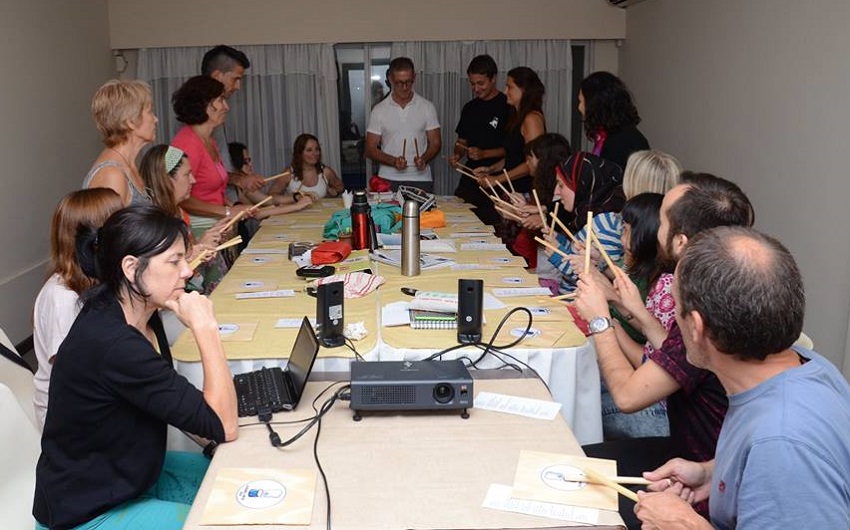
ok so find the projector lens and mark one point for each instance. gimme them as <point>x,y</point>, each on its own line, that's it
<point>443,393</point>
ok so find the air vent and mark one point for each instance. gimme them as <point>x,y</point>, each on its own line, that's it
<point>388,395</point>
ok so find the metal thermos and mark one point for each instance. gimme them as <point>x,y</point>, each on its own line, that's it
<point>410,239</point>
<point>360,219</point>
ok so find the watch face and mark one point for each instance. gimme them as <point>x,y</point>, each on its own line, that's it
<point>598,324</point>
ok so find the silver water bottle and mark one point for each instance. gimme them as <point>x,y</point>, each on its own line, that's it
<point>410,238</point>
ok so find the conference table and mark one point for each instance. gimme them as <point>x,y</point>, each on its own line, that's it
<point>390,470</point>
<point>258,332</point>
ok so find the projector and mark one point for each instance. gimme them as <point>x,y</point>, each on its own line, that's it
<point>410,385</point>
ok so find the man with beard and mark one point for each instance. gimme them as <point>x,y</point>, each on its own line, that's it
<point>696,402</point>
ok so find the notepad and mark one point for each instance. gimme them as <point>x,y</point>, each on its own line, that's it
<point>420,319</point>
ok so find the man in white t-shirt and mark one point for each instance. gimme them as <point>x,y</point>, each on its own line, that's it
<point>403,135</point>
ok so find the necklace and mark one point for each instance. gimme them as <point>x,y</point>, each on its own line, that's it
<point>133,172</point>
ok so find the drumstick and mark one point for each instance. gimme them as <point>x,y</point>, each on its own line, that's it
<point>229,243</point>
<point>262,202</point>
<point>554,217</point>
<point>603,252</point>
<point>508,214</point>
<point>510,183</point>
<point>507,192</point>
<point>564,228</point>
<point>197,261</point>
<point>464,173</point>
<point>490,184</point>
<point>539,208</point>
<point>285,173</point>
<point>416,146</point>
<point>465,168</point>
<point>587,244</point>
<point>605,481</point>
<point>552,247</point>
<point>404,149</point>
<point>564,296</point>
<point>235,219</point>
<point>465,148</point>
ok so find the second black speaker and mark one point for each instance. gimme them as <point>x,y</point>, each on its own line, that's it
<point>470,303</point>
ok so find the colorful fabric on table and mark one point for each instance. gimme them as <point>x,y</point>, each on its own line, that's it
<point>356,284</point>
<point>387,218</point>
<point>432,219</point>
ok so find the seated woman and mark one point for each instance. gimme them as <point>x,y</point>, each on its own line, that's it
<point>650,171</point>
<point>168,176</point>
<point>284,203</point>
<point>309,175</point>
<point>586,184</point>
<point>58,302</point>
<point>643,297</point>
<point>123,113</point>
<point>114,390</point>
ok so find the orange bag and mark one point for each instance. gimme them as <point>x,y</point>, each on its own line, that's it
<point>330,252</point>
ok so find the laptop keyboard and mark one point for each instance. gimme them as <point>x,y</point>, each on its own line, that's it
<point>261,391</point>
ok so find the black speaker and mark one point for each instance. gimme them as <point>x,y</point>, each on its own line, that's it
<point>470,302</point>
<point>329,314</point>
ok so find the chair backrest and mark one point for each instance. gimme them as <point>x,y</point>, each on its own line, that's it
<point>19,381</point>
<point>20,447</point>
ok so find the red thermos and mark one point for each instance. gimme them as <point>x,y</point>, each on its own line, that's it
<point>361,222</point>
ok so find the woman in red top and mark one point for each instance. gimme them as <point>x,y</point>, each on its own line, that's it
<point>200,104</point>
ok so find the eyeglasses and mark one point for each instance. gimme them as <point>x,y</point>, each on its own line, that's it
<point>404,84</point>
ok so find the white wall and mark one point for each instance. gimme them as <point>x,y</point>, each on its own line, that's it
<point>160,23</point>
<point>758,91</point>
<point>55,54</point>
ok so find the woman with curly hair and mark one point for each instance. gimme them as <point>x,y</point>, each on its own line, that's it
<point>309,174</point>
<point>610,117</point>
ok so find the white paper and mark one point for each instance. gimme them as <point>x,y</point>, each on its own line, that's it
<point>293,322</point>
<point>396,314</point>
<point>426,261</point>
<point>522,291</point>
<point>491,302</point>
<point>471,233</point>
<point>280,293</point>
<point>474,267</point>
<point>483,246</point>
<point>499,498</point>
<point>265,251</point>
<point>520,406</point>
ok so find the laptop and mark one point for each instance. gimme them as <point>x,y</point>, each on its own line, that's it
<point>275,389</point>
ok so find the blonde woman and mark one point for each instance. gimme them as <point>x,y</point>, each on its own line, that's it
<point>650,171</point>
<point>123,113</point>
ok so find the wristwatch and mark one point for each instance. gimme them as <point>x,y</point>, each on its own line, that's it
<point>599,324</point>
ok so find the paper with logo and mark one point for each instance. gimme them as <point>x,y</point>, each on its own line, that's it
<point>547,477</point>
<point>243,496</point>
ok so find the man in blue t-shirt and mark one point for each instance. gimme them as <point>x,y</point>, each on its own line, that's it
<point>783,456</point>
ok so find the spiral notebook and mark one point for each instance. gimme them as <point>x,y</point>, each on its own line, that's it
<point>420,319</point>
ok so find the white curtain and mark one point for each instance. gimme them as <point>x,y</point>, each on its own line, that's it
<point>290,89</point>
<point>441,78</point>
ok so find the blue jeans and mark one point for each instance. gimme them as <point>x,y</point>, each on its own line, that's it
<point>164,506</point>
<point>617,425</point>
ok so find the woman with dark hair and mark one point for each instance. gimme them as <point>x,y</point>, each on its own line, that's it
<point>58,302</point>
<point>586,184</point>
<point>244,165</point>
<point>309,174</point>
<point>524,91</point>
<point>200,104</point>
<point>610,117</point>
<point>114,390</point>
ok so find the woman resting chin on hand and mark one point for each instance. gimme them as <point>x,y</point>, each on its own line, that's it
<point>114,390</point>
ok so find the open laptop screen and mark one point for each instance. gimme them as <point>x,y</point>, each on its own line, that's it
<point>301,360</point>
